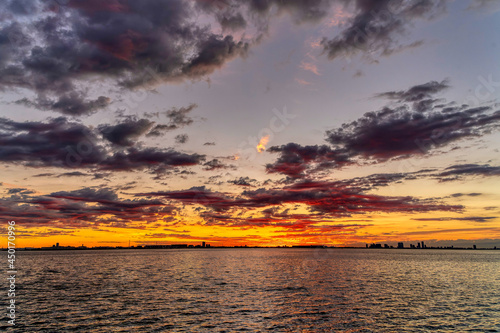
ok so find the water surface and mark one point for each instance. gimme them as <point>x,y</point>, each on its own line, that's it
<point>258,290</point>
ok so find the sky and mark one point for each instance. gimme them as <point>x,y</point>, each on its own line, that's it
<point>257,122</point>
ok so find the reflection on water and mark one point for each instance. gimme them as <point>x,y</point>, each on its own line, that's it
<point>253,290</point>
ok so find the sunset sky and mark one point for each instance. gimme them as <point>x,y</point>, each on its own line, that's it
<point>250,122</point>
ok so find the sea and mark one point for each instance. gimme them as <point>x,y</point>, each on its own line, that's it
<point>256,290</point>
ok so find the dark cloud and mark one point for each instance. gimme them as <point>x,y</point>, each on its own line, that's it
<point>243,181</point>
<point>447,231</point>
<point>46,174</point>
<point>125,133</point>
<point>401,131</point>
<point>479,219</point>
<point>237,14</point>
<point>379,180</point>
<point>458,195</point>
<point>160,129</point>
<point>328,199</point>
<point>196,195</point>
<point>295,160</point>
<point>377,24</point>
<point>455,172</point>
<point>300,10</point>
<point>338,200</point>
<point>46,233</point>
<point>127,43</point>
<point>72,103</point>
<point>64,144</point>
<point>414,124</point>
<point>154,158</point>
<point>232,21</point>
<point>73,174</point>
<point>181,138</point>
<point>416,93</point>
<point>88,194</point>
<point>18,190</point>
<point>87,207</point>
<point>177,118</point>
<point>54,143</point>
<point>55,54</point>
<point>215,164</point>
<point>101,175</point>
<point>209,144</point>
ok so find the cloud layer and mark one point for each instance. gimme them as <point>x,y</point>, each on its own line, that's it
<point>54,50</point>
<point>62,143</point>
<point>415,123</point>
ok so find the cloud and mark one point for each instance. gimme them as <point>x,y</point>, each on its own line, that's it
<point>307,66</point>
<point>54,143</point>
<point>455,172</point>
<point>231,21</point>
<point>480,219</point>
<point>328,199</point>
<point>401,131</point>
<point>127,44</point>
<point>74,174</point>
<point>242,181</point>
<point>178,118</point>
<point>458,195</point>
<point>72,103</point>
<point>377,24</point>
<point>195,195</point>
<point>130,45</point>
<point>125,133</point>
<point>181,138</point>
<point>295,160</point>
<point>159,160</point>
<point>21,191</point>
<point>415,123</point>
<point>65,144</point>
<point>301,10</point>
<point>86,207</point>
<point>439,231</point>
<point>416,93</point>
<point>215,164</point>
<point>88,194</point>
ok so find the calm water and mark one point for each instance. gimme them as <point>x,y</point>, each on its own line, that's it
<point>257,290</point>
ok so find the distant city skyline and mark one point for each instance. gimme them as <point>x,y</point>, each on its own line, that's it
<point>233,123</point>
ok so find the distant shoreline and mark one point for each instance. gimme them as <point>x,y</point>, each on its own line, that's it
<point>168,247</point>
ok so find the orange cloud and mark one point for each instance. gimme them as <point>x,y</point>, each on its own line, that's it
<point>262,144</point>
